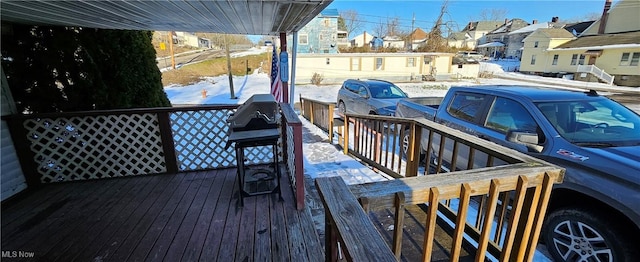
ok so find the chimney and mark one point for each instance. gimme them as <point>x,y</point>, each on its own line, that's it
<point>554,19</point>
<point>535,21</point>
<point>506,20</point>
<point>605,14</point>
<point>364,37</point>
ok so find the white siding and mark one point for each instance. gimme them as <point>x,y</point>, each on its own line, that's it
<point>11,178</point>
<point>395,67</point>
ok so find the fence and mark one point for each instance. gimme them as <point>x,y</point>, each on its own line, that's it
<point>101,144</point>
<point>483,197</point>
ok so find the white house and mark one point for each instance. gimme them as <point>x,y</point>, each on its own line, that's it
<point>361,40</point>
<point>399,67</point>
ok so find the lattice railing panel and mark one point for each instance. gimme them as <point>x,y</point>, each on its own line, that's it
<point>91,147</point>
<point>291,161</point>
<point>200,137</point>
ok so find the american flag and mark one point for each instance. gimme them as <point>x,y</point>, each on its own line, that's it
<point>276,84</point>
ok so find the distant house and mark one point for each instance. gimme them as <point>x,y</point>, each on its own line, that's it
<point>461,40</point>
<point>192,40</point>
<point>609,53</point>
<point>472,33</point>
<point>393,42</point>
<point>500,35</point>
<point>343,39</point>
<point>514,45</point>
<point>398,67</point>
<point>361,39</point>
<point>579,27</point>
<point>320,35</point>
<point>417,38</point>
<point>376,42</point>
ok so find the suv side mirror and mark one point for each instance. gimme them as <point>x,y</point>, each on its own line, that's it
<point>530,140</point>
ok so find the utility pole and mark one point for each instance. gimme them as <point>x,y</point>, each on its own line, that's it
<point>226,47</point>
<point>173,59</point>
<point>413,21</point>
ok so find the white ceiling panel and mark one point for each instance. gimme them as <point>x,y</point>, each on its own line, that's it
<point>255,17</point>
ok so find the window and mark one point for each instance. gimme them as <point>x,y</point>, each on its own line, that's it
<point>327,22</point>
<point>635,59</point>
<point>411,62</point>
<point>581,60</point>
<point>466,106</point>
<point>574,59</point>
<point>355,64</point>
<point>362,91</point>
<point>533,59</point>
<point>535,44</point>
<point>303,40</point>
<point>625,59</point>
<point>352,87</point>
<point>555,60</point>
<point>328,61</point>
<point>379,64</point>
<point>506,114</point>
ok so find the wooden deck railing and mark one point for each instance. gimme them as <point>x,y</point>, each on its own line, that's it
<point>100,144</point>
<point>494,198</point>
<point>321,114</point>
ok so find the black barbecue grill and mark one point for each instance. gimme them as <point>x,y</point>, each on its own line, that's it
<point>254,124</point>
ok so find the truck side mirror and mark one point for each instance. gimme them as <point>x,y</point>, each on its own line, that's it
<point>530,140</point>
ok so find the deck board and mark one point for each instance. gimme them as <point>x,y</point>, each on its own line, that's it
<point>194,246</point>
<point>91,230</point>
<point>184,217</point>
<point>101,234</point>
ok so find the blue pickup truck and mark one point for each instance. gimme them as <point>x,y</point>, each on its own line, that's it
<point>594,215</point>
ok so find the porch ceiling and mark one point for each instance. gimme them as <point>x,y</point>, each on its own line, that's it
<point>254,17</point>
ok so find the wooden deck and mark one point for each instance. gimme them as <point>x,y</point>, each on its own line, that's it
<point>184,217</point>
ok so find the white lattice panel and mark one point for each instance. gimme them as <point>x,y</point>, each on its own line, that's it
<point>291,155</point>
<point>79,148</point>
<point>200,137</point>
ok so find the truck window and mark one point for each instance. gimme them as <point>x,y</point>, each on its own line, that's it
<point>506,114</point>
<point>466,106</point>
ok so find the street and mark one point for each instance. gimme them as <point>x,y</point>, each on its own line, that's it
<point>190,57</point>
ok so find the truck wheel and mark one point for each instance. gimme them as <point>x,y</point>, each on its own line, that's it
<point>576,234</point>
<point>405,147</point>
<point>341,108</point>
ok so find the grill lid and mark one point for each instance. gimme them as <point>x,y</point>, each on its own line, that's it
<point>260,111</point>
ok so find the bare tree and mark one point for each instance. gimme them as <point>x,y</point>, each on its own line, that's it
<point>379,29</point>
<point>220,40</point>
<point>586,17</point>
<point>352,21</point>
<point>393,25</point>
<point>494,14</point>
<point>436,41</point>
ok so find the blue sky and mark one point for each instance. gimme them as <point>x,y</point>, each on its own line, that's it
<point>460,12</point>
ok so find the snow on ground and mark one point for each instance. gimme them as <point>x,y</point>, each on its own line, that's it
<point>253,51</point>
<point>322,159</point>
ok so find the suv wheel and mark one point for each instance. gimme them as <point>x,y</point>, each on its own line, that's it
<point>341,108</point>
<point>576,234</point>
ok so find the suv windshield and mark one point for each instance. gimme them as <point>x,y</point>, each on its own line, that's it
<point>594,123</point>
<point>384,90</point>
